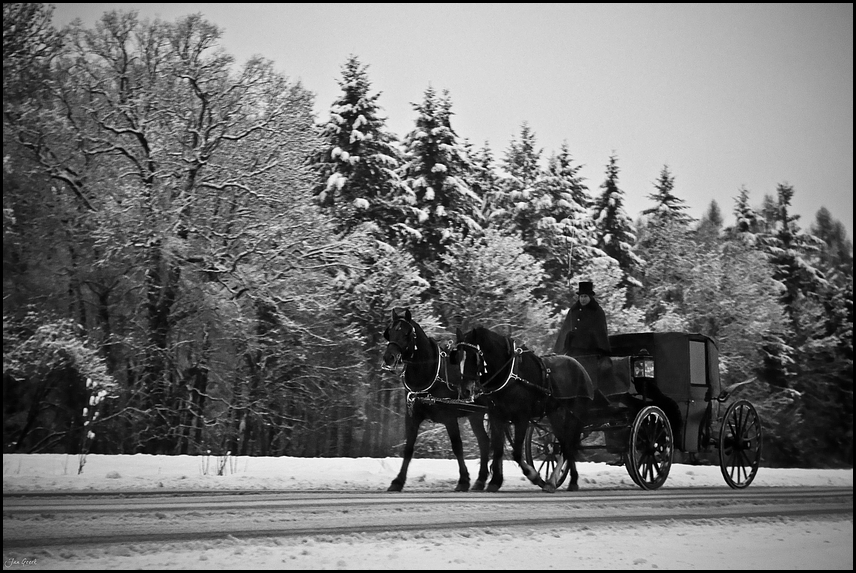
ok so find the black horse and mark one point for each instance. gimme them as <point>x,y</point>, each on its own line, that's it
<point>433,393</point>
<point>518,387</point>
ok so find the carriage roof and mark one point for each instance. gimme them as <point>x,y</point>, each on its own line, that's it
<point>681,360</point>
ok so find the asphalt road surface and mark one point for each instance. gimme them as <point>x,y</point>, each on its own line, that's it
<point>33,521</point>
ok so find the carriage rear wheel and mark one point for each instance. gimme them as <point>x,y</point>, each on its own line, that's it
<point>543,452</point>
<point>740,444</point>
<point>649,453</point>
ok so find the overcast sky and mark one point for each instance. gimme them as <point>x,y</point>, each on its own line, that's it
<point>726,95</point>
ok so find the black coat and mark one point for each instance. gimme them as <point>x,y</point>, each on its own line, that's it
<point>584,331</point>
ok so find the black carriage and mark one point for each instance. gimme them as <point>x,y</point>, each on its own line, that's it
<point>657,393</point>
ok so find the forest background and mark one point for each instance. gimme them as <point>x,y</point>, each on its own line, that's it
<point>192,264</point>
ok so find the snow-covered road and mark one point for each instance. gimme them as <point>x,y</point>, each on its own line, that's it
<point>719,543</point>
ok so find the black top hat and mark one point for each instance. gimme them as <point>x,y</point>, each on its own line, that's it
<point>586,287</point>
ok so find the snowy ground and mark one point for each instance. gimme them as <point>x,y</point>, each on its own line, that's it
<point>718,544</point>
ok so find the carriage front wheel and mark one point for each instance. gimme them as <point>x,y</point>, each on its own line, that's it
<point>740,444</point>
<point>543,452</point>
<point>649,454</point>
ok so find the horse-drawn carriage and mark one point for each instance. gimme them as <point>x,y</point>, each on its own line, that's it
<point>657,393</point>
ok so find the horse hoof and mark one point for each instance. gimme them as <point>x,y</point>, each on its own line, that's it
<point>492,488</point>
<point>463,487</point>
<point>395,487</point>
<point>548,488</point>
<point>574,487</point>
<point>479,486</point>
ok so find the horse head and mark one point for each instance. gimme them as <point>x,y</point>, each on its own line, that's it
<point>469,359</point>
<point>401,337</point>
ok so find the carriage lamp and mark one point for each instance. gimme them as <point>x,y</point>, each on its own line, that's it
<point>643,365</point>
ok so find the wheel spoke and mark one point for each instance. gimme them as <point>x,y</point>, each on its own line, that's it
<point>647,471</point>
<point>744,470</point>
<point>650,455</point>
<point>735,473</point>
<point>731,470</point>
<point>740,444</point>
<point>542,452</point>
<point>654,467</point>
<point>732,429</point>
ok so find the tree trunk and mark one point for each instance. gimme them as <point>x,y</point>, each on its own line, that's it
<point>162,287</point>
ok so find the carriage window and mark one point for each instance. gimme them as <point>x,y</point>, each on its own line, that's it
<point>698,364</point>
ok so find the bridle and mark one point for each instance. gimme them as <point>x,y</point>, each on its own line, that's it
<point>406,352</point>
<point>481,362</point>
<point>406,355</point>
<point>481,367</point>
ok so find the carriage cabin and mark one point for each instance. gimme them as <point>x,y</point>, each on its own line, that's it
<point>683,367</point>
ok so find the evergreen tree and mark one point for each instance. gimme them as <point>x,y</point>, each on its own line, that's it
<point>437,200</point>
<point>822,342</point>
<point>836,255</point>
<point>710,226</point>
<point>522,157</point>
<point>823,376</point>
<point>812,357</point>
<point>508,207</point>
<point>615,233</point>
<point>668,249</point>
<point>357,164</point>
<point>768,214</point>
<point>788,248</point>
<point>746,226</point>
<point>751,231</point>
<point>484,180</point>
<point>561,166</point>
<point>776,233</point>
<point>668,206</point>
<point>730,295</point>
<point>561,233</point>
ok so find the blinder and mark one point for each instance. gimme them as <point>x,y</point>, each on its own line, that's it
<point>481,363</point>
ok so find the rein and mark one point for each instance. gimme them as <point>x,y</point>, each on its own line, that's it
<point>516,352</point>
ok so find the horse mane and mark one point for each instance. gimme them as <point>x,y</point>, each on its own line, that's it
<point>486,333</point>
<point>433,343</point>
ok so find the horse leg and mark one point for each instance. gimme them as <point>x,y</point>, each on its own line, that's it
<point>477,424</point>
<point>570,444</point>
<point>497,444</point>
<point>458,449</point>
<point>411,428</point>
<point>570,439</point>
<point>553,480</point>
<point>517,453</point>
<point>575,476</point>
<point>580,414</point>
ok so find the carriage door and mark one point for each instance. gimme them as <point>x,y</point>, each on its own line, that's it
<point>697,403</point>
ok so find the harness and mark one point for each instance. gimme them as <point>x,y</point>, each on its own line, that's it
<point>425,395</point>
<point>429,399</point>
<point>437,377</point>
<point>513,371</point>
